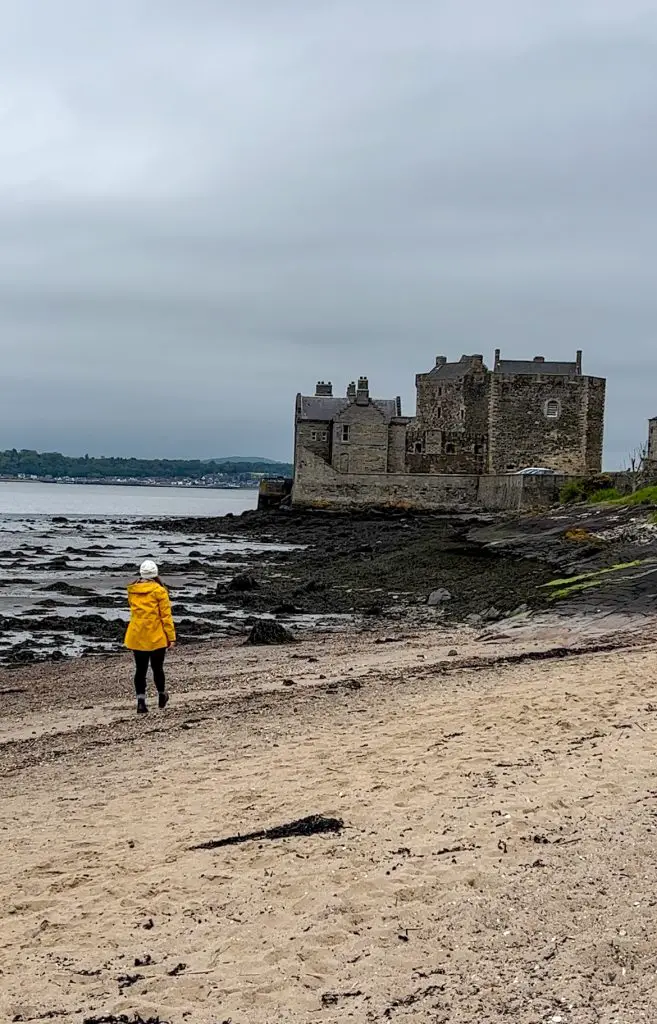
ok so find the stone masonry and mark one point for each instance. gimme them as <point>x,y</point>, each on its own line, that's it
<point>470,421</point>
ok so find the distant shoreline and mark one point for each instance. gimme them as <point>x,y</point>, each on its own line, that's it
<point>173,484</point>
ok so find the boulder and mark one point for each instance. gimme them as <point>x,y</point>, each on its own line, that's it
<point>266,632</point>
<point>439,596</point>
<point>492,614</point>
<point>243,583</point>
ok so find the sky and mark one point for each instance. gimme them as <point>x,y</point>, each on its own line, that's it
<point>206,206</point>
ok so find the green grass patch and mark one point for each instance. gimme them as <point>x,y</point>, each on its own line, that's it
<point>644,496</point>
<point>605,494</point>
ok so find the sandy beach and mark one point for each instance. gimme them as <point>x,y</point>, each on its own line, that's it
<point>496,862</point>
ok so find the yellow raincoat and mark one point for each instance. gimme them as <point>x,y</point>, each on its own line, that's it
<point>151,624</point>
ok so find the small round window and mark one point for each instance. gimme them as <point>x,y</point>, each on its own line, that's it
<point>552,409</point>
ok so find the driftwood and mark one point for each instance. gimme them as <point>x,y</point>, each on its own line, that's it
<point>315,824</point>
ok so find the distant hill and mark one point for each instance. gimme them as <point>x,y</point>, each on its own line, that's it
<point>236,459</point>
<point>54,466</point>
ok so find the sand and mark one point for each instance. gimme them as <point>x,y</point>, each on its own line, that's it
<point>497,861</point>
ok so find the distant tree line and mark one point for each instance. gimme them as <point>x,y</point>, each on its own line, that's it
<point>54,465</point>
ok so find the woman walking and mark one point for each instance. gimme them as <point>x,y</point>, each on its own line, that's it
<point>150,633</point>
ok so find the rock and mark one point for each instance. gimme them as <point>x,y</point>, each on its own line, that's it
<point>243,583</point>
<point>492,614</point>
<point>474,620</point>
<point>59,519</point>
<point>286,609</point>
<point>266,632</point>
<point>438,596</point>
<point>453,653</point>
<point>520,610</point>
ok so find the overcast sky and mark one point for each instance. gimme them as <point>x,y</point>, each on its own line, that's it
<point>207,205</point>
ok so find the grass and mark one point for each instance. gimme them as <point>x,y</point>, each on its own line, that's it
<point>605,494</point>
<point>644,496</point>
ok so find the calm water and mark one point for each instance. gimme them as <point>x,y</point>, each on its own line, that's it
<point>90,500</point>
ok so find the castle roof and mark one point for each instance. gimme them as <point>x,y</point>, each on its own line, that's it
<point>452,371</point>
<point>535,366</point>
<point>323,408</point>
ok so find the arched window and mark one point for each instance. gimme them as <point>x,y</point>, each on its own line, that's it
<point>552,409</point>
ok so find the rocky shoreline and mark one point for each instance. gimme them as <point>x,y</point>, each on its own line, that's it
<point>65,594</point>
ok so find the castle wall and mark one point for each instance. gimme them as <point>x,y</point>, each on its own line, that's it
<point>397,448</point>
<point>652,441</point>
<point>314,436</point>
<point>366,451</point>
<point>450,431</point>
<point>522,433</point>
<point>593,423</point>
<point>318,485</point>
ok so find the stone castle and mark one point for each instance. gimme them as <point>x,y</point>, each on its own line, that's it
<point>473,425</point>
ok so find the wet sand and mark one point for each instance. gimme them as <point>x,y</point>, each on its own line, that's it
<point>497,861</point>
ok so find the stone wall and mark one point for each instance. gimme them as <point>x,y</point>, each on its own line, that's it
<point>521,433</point>
<point>652,441</point>
<point>593,422</point>
<point>318,485</point>
<point>366,450</point>
<point>449,434</point>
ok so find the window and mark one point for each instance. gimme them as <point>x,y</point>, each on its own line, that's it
<point>319,435</point>
<point>439,413</point>
<point>345,432</point>
<point>461,414</point>
<point>418,448</point>
<point>313,435</point>
<point>552,409</point>
<point>450,449</point>
<point>479,449</point>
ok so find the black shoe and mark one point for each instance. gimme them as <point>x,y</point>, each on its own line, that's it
<point>162,700</point>
<point>141,707</point>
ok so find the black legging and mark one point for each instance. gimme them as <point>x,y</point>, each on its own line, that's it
<point>142,660</point>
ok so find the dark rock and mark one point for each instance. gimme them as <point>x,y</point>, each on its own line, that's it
<point>243,583</point>
<point>267,632</point>
<point>59,519</point>
<point>453,653</point>
<point>439,596</point>
<point>286,609</point>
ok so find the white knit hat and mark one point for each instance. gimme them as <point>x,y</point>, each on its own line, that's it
<point>148,570</point>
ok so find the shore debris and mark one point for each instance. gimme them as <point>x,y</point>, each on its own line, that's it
<point>314,824</point>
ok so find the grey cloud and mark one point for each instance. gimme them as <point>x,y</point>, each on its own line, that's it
<point>204,207</point>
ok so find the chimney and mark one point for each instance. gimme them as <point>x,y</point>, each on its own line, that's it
<point>363,392</point>
<point>351,390</point>
<point>398,411</point>
<point>578,361</point>
<point>497,358</point>
<point>477,360</point>
<point>441,360</point>
<point>323,389</point>
<point>539,359</point>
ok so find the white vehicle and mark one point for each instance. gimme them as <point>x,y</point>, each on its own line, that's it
<point>534,471</point>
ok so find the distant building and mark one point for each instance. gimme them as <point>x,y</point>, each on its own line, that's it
<point>470,421</point>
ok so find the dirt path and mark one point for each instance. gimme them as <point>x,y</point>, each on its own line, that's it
<point>497,862</point>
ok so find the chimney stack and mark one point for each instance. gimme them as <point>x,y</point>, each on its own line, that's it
<point>497,358</point>
<point>539,359</point>
<point>324,389</point>
<point>351,390</point>
<point>441,360</point>
<point>578,360</point>
<point>363,392</point>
